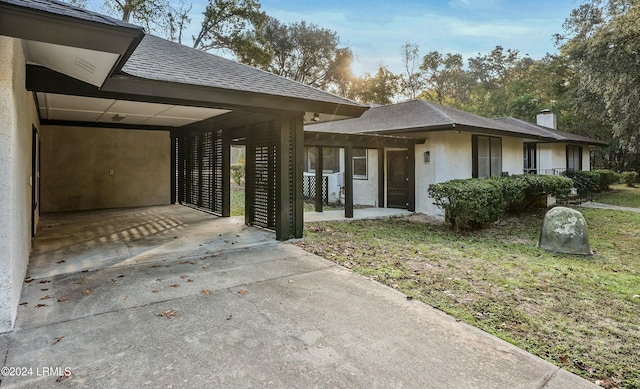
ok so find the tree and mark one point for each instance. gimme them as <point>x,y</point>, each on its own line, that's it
<point>445,81</point>
<point>150,14</point>
<point>377,89</point>
<point>232,25</point>
<point>603,44</point>
<point>304,52</point>
<point>411,81</point>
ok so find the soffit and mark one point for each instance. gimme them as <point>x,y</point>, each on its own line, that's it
<point>56,107</point>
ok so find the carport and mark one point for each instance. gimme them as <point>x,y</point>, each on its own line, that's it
<point>116,118</point>
<point>203,102</point>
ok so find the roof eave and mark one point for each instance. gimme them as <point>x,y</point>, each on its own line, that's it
<point>42,26</point>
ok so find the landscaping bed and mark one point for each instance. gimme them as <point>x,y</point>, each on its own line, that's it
<point>580,313</point>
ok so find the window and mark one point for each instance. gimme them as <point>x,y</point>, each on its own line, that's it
<point>360,164</point>
<point>330,160</point>
<point>574,157</point>
<point>487,156</point>
<point>530,158</point>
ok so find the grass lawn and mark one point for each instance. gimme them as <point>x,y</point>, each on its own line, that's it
<point>620,195</point>
<point>237,203</point>
<point>580,313</point>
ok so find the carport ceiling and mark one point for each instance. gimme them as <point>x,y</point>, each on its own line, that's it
<point>57,107</point>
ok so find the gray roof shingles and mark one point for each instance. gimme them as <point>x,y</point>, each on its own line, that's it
<point>162,60</point>
<point>68,10</point>
<point>416,115</point>
<point>557,134</point>
<point>420,115</point>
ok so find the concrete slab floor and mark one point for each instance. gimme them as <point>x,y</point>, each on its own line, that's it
<point>359,213</point>
<point>268,316</point>
<point>74,241</point>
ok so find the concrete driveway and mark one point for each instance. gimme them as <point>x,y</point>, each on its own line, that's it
<point>264,315</point>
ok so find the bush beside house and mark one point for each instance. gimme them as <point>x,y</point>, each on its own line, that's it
<point>476,202</point>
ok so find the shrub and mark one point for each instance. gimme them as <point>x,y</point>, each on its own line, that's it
<point>607,178</point>
<point>237,174</point>
<point>521,191</point>
<point>586,182</point>
<point>477,202</point>
<point>629,178</point>
<point>469,204</point>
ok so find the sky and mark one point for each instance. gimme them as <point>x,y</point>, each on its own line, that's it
<point>376,30</point>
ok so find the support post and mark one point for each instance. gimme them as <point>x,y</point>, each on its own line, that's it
<point>319,170</point>
<point>226,174</point>
<point>289,173</point>
<point>174,168</point>
<point>348,181</point>
<point>412,178</point>
<point>381,174</point>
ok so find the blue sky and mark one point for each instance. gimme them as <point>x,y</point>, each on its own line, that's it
<point>375,30</point>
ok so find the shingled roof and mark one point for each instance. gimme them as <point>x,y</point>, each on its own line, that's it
<point>559,136</point>
<point>162,60</point>
<point>420,115</point>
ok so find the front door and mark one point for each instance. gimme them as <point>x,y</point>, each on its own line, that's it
<point>398,179</point>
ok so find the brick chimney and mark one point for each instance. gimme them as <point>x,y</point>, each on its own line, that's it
<point>546,118</point>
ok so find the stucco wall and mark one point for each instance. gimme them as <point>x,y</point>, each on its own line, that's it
<point>552,156</point>
<point>451,158</point>
<point>76,165</point>
<point>18,114</point>
<point>365,191</point>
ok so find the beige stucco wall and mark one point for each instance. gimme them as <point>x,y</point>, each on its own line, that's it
<point>451,158</point>
<point>76,165</point>
<point>365,191</point>
<point>17,115</point>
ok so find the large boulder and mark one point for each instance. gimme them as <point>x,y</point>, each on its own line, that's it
<point>564,230</point>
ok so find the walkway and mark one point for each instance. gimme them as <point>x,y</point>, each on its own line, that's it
<point>591,204</point>
<point>359,213</point>
<point>264,315</point>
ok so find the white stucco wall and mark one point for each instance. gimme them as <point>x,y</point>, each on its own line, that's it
<point>365,191</point>
<point>450,159</point>
<point>552,156</point>
<point>18,114</point>
<point>77,164</point>
<point>512,155</point>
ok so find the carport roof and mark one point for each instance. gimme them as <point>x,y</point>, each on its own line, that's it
<point>147,68</point>
<point>162,60</point>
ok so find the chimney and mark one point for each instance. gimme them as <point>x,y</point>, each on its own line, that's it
<point>546,118</point>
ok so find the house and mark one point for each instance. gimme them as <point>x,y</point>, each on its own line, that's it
<point>97,114</point>
<point>450,144</point>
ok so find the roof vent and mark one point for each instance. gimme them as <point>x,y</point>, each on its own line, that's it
<point>85,65</point>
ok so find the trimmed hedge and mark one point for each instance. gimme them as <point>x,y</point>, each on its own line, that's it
<point>629,178</point>
<point>586,182</point>
<point>477,202</point>
<point>607,178</point>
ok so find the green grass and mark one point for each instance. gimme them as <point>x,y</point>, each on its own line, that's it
<point>580,313</point>
<point>620,195</point>
<point>237,203</point>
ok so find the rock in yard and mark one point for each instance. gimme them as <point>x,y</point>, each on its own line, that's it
<point>564,230</point>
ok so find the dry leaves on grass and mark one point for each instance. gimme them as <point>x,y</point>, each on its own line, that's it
<point>167,313</point>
